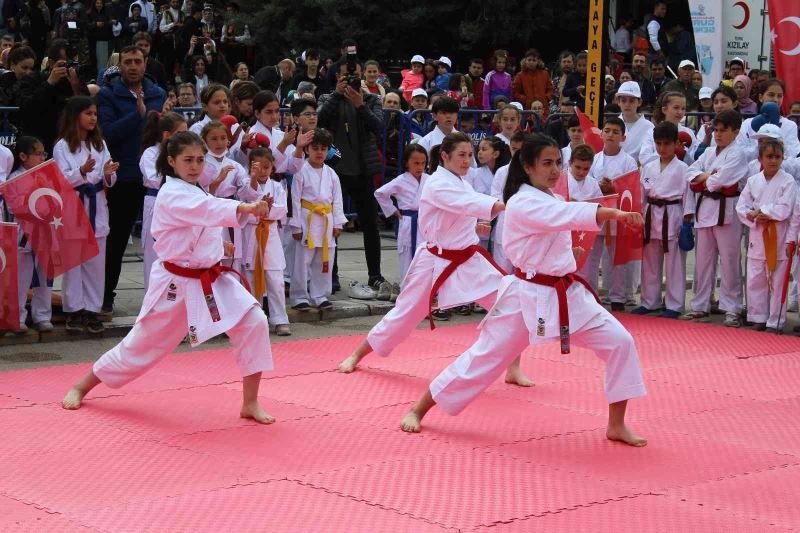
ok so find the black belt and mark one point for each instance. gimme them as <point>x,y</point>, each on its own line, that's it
<point>658,202</point>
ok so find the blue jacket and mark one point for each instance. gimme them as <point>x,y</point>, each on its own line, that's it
<point>122,126</point>
<point>443,81</point>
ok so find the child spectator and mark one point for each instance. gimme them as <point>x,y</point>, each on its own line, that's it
<point>443,68</point>
<point>372,71</point>
<point>475,82</point>
<point>412,78</point>
<point>533,82</point>
<point>420,122</point>
<point>497,81</point>
<point>574,88</point>
<point>457,89</point>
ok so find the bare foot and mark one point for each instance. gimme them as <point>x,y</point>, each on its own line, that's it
<point>73,399</point>
<point>254,411</point>
<point>514,376</point>
<point>623,434</point>
<point>411,423</point>
<point>349,365</point>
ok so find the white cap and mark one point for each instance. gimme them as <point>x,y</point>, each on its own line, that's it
<point>610,77</point>
<point>768,131</point>
<point>517,105</point>
<point>446,61</point>
<point>686,63</point>
<point>737,60</point>
<point>418,59</point>
<point>630,88</point>
<point>419,92</point>
<point>705,92</point>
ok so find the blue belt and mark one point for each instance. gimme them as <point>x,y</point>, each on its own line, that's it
<point>414,218</point>
<point>90,190</point>
<point>151,192</point>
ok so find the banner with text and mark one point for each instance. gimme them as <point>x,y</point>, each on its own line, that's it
<point>745,31</point>
<point>707,26</point>
<point>594,66</point>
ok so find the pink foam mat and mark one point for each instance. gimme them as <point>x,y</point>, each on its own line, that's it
<point>170,453</point>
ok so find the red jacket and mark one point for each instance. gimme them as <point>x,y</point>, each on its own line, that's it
<point>530,85</point>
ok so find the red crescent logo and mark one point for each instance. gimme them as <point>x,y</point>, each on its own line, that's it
<point>746,18</point>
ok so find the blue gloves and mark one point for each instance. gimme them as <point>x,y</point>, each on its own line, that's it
<point>770,114</point>
<point>686,237</point>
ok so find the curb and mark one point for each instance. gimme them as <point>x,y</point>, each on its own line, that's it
<point>120,326</point>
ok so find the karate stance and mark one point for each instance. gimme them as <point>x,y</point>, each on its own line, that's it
<point>543,299</point>
<point>188,286</point>
<point>452,266</point>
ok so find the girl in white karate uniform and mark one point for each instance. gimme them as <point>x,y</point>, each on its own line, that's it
<point>538,241</point>
<point>286,149</point>
<point>262,252</point>
<point>85,161</point>
<point>190,292</point>
<point>493,153</point>
<point>317,220</point>
<point>772,90</point>
<point>157,129</point>
<point>670,107</point>
<point>225,178</point>
<point>405,190</point>
<point>452,267</point>
<point>508,121</point>
<point>765,206</point>
<point>667,203</point>
<point>718,173</point>
<point>582,187</point>
<point>498,184</point>
<point>28,152</point>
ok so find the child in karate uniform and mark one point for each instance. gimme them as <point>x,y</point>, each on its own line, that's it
<point>498,184</point>
<point>667,203</point>
<point>157,129</point>
<point>189,290</point>
<point>538,241</point>
<point>716,176</point>
<point>28,152</point>
<point>575,134</point>
<point>493,153</point>
<point>317,220</point>
<point>452,267</point>
<point>405,190</point>
<point>772,90</point>
<point>84,159</point>
<point>765,206</point>
<point>583,188</point>
<point>287,147</point>
<point>262,248</point>
<point>637,128</point>
<point>611,163</point>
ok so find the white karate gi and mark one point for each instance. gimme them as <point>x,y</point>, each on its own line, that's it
<point>318,186</point>
<point>481,179</point>
<point>776,199</point>
<point>152,182</point>
<point>667,184</point>
<point>623,278</point>
<point>648,153</point>
<point>566,154</point>
<point>449,209</point>
<point>538,240</point>
<point>273,260</point>
<point>579,191</point>
<point>285,162</point>
<point>791,166</point>
<point>82,286</point>
<point>186,223</point>
<point>405,189</point>
<point>713,241</point>
<point>41,303</point>
<point>503,138</point>
<point>749,145</point>
<point>498,184</point>
<point>234,150</point>
<point>235,185</point>
<point>435,138</point>
<point>635,135</point>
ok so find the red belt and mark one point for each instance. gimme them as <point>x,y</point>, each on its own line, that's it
<point>207,276</point>
<point>456,258</point>
<point>560,284</point>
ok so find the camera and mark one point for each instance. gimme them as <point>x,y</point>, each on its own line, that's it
<point>353,80</point>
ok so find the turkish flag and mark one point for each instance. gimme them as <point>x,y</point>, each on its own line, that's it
<point>562,186</point>
<point>591,134</point>
<point>629,241</point>
<point>52,217</point>
<point>585,239</point>
<point>784,23</point>
<point>9,299</point>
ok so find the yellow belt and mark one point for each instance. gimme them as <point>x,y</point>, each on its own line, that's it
<point>322,210</point>
<point>259,277</point>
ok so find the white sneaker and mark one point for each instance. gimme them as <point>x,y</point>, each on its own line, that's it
<point>385,291</point>
<point>43,326</point>
<point>360,291</point>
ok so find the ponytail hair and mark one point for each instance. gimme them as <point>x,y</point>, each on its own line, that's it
<point>156,124</point>
<point>435,158</point>
<point>527,155</point>
<point>173,147</point>
<point>500,147</point>
<point>24,144</point>
<point>663,101</point>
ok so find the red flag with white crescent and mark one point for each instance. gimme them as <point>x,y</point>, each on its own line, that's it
<point>784,23</point>
<point>629,241</point>
<point>591,133</point>
<point>9,299</point>
<point>585,239</point>
<point>52,217</point>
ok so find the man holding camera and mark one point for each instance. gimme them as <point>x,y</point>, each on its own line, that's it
<point>355,117</point>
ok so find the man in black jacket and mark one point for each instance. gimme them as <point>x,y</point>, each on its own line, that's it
<point>355,118</point>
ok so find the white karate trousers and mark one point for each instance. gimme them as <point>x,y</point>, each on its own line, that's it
<point>276,297</point>
<point>160,331</point>
<point>723,242</point>
<point>504,335</point>
<point>41,304</point>
<point>82,287</point>
<point>763,306</point>
<point>405,258</point>
<point>309,284</point>
<point>147,238</point>
<point>654,262</point>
